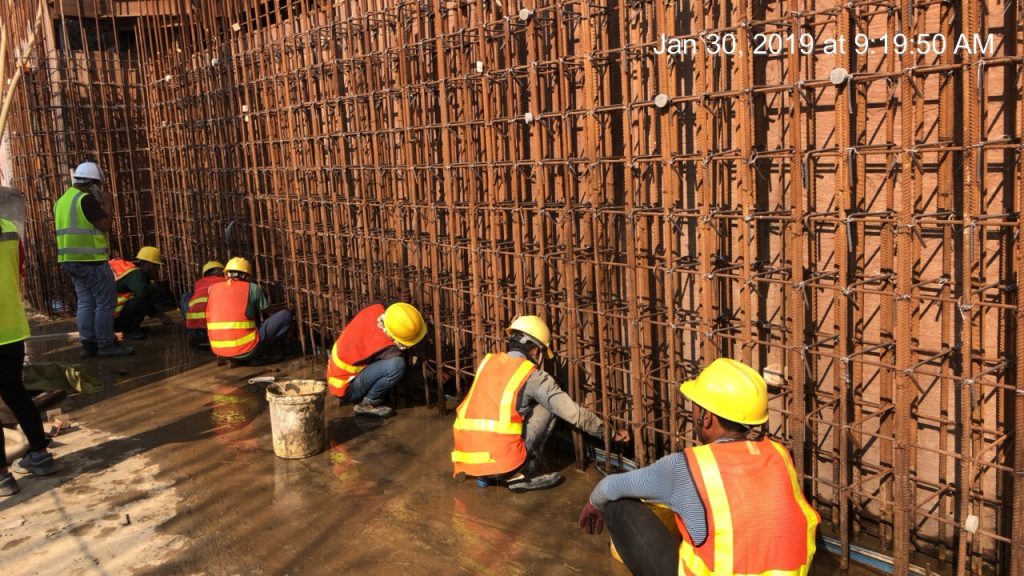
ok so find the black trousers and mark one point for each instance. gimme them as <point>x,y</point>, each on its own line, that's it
<point>645,545</point>
<point>12,390</point>
<point>133,313</point>
<point>534,451</point>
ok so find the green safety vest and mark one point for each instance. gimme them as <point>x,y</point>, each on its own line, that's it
<point>13,323</point>
<point>77,239</point>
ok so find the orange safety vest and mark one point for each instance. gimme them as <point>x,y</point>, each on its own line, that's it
<point>488,427</point>
<point>195,317</point>
<point>121,268</point>
<point>231,332</point>
<point>358,342</point>
<point>758,519</point>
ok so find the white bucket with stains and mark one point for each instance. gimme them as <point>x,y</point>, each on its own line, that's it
<point>297,417</point>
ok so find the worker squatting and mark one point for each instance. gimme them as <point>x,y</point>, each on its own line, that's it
<point>734,501</point>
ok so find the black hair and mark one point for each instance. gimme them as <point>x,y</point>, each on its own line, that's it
<point>731,426</point>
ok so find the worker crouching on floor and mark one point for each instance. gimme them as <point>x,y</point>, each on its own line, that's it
<point>233,309</point>
<point>737,501</point>
<point>193,303</point>
<point>509,412</point>
<point>368,359</point>
<point>137,292</point>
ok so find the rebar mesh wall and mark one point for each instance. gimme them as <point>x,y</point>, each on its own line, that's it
<point>80,99</point>
<point>856,240</point>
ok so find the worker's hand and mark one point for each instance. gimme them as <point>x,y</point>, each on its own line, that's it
<point>105,199</point>
<point>591,519</point>
<point>621,435</point>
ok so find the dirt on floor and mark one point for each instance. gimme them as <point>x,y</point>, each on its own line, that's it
<point>170,470</point>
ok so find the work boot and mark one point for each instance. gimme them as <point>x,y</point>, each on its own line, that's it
<point>8,485</point>
<point>89,348</point>
<point>263,360</point>
<point>38,463</point>
<point>365,409</point>
<point>522,484</point>
<point>140,333</point>
<point>115,349</point>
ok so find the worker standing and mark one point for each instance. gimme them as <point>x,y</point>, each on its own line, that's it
<point>368,358</point>
<point>193,303</point>
<point>737,500</point>
<point>137,292</point>
<point>13,332</point>
<point>509,412</point>
<point>83,217</point>
<point>233,309</point>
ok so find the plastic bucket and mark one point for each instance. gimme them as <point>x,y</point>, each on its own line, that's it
<point>297,417</point>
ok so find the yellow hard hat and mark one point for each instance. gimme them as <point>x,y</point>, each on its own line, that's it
<point>404,324</point>
<point>211,265</point>
<point>730,389</point>
<point>150,254</point>
<point>535,328</point>
<point>238,264</point>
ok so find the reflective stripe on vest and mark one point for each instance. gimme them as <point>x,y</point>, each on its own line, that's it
<point>13,322</point>
<point>232,334</point>
<point>195,315</point>
<point>341,383</point>
<point>78,240</point>
<point>121,268</point>
<point>122,299</point>
<point>504,423</point>
<point>471,457</point>
<point>360,340</point>
<point>728,557</point>
<point>488,427</point>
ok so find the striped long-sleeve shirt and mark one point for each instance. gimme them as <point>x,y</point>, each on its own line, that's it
<point>668,481</point>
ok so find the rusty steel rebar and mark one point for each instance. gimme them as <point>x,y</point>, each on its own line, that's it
<point>854,237</point>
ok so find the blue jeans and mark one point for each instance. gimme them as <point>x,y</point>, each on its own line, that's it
<point>183,305</point>
<point>97,296</point>
<point>375,381</point>
<point>271,330</point>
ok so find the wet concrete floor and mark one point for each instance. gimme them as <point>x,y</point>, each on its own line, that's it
<point>170,470</point>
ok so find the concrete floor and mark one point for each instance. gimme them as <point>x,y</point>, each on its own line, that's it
<point>170,470</point>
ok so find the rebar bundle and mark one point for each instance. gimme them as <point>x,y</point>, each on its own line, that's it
<point>846,221</point>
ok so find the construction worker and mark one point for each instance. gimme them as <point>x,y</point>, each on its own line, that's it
<point>137,292</point>
<point>368,358</point>
<point>193,303</point>
<point>502,424</point>
<point>13,332</point>
<point>83,217</point>
<point>738,504</point>
<point>233,309</point>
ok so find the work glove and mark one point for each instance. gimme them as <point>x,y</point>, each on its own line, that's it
<point>591,519</point>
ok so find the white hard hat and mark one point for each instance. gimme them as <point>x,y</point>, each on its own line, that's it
<point>88,171</point>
